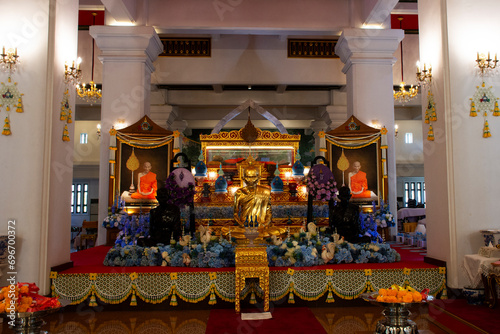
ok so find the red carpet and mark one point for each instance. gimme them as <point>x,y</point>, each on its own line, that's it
<point>285,321</point>
<point>90,261</point>
<point>458,316</point>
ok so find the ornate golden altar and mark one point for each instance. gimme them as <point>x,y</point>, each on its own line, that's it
<point>229,151</point>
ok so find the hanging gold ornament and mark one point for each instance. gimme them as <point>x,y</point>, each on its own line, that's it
<point>473,112</point>
<point>6,127</point>
<point>431,107</point>
<point>65,107</point>
<point>20,105</point>
<point>65,136</point>
<point>430,134</point>
<point>9,94</point>
<point>496,111</point>
<point>486,128</point>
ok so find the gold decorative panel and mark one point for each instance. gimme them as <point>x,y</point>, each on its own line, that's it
<point>186,47</point>
<point>311,48</point>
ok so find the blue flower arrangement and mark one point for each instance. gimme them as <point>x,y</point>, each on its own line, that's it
<point>114,220</point>
<point>383,216</point>
<point>299,250</point>
<point>133,228</point>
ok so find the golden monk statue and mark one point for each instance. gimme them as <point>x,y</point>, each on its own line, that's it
<point>252,204</point>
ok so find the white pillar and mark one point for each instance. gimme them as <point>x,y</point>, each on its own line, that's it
<point>163,115</point>
<point>37,166</point>
<point>127,54</point>
<point>368,58</point>
<point>337,110</point>
<point>461,167</point>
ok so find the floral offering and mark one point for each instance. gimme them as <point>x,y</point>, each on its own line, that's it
<point>383,216</point>
<point>398,294</point>
<point>26,299</point>
<point>307,248</point>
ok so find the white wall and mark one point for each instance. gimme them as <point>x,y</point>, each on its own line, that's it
<point>86,154</point>
<point>248,59</point>
<point>461,176</point>
<point>409,153</point>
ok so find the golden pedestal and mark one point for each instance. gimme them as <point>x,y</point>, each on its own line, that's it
<point>251,262</point>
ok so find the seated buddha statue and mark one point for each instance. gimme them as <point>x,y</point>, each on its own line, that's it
<point>252,203</point>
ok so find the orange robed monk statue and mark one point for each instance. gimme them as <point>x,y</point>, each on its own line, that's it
<point>147,186</point>
<point>358,182</point>
<point>252,203</point>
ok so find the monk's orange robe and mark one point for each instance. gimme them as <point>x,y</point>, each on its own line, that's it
<point>358,182</point>
<point>147,183</point>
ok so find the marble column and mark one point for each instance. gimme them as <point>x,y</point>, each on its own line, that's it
<point>127,55</point>
<point>368,55</point>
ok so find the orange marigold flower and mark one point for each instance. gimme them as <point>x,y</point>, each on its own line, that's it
<point>22,308</point>
<point>392,292</point>
<point>24,289</point>
<point>26,300</point>
<point>401,293</point>
<point>417,296</point>
<point>2,307</point>
<point>382,292</point>
<point>391,299</point>
<point>408,298</point>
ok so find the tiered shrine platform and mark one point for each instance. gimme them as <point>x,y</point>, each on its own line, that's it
<point>90,281</point>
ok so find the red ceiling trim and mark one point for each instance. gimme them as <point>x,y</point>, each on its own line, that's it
<point>85,17</point>
<point>410,21</point>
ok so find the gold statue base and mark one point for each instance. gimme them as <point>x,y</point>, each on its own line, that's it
<point>265,232</point>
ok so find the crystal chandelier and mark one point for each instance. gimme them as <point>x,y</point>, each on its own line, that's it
<point>89,92</point>
<point>402,95</point>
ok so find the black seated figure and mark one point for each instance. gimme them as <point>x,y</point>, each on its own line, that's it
<point>345,218</point>
<point>164,220</point>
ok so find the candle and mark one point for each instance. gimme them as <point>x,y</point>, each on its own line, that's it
<point>16,52</point>
<point>3,50</point>
<point>489,56</point>
<point>424,68</point>
<point>418,66</point>
<point>478,57</point>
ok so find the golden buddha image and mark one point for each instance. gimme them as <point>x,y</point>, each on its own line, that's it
<point>252,202</point>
